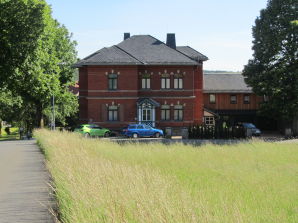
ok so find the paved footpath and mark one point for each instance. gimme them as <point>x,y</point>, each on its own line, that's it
<point>24,190</point>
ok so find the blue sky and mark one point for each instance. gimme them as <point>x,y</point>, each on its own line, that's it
<point>220,29</point>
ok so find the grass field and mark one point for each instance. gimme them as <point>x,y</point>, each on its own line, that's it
<point>100,181</point>
<point>14,134</point>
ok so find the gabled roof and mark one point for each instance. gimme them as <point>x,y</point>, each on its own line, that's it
<point>149,101</point>
<point>141,50</point>
<point>192,53</point>
<point>225,83</point>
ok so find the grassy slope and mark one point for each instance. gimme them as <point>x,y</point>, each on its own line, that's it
<point>99,181</point>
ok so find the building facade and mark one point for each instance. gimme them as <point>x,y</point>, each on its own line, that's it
<point>229,99</point>
<point>142,80</point>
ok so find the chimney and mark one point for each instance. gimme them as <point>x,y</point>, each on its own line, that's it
<point>126,36</point>
<point>171,40</point>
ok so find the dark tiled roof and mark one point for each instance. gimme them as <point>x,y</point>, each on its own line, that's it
<point>225,83</point>
<point>111,55</point>
<point>153,52</point>
<point>192,53</point>
<point>139,50</point>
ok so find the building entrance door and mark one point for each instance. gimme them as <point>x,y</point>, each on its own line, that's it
<point>146,112</point>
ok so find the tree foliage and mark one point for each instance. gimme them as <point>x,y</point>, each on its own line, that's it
<point>21,23</point>
<point>273,71</point>
<point>45,70</point>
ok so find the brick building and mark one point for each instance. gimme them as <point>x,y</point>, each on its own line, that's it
<point>142,80</point>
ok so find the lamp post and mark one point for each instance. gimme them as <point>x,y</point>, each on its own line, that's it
<point>53,112</point>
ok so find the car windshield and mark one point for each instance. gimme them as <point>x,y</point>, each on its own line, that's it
<point>249,125</point>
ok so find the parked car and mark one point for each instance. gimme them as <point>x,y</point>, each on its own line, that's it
<point>140,130</point>
<point>254,129</point>
<point>92,130</point>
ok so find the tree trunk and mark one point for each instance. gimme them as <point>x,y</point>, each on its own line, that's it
<point>0,126</point>
<point>39,116</point>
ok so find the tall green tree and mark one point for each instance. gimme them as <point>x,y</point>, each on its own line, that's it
<point>37,66</point>
<point>21,23</point>
<point>48,72</point>
<point>273,71</point>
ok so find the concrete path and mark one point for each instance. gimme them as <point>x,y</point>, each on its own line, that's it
<point>24,191</point>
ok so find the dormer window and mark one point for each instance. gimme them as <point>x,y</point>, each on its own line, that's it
<point>113,79</point>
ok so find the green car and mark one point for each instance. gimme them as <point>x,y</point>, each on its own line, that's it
<point>92,130</point>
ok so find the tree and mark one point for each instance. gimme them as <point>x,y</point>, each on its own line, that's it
<point>48,71</point>
<point>273,71</point>
<point>41,70</point>
<point>21,23</point>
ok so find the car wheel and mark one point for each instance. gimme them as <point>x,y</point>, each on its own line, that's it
<point>157,135</point>
<point>107,134</point>
<point>135,135</point>
<point>87,135</point>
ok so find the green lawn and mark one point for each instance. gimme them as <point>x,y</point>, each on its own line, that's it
<point>14,134</point>
<point>100,181</point>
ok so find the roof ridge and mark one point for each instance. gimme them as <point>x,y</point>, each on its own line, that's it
<point>129,54</point>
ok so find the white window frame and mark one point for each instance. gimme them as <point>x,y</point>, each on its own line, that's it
<point>209,120</point>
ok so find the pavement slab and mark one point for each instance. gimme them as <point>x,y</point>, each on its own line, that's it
<point>24,184</point>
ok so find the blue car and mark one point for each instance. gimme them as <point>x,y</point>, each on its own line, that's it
<point>140,130</point>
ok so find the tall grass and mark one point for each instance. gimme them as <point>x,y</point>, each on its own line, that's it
<point>100,181</point>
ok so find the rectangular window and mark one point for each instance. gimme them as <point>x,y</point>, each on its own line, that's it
<point>209,120</point>
<point>246,99</point>
<point>212,98</point>
<point>165,112</point>
<point>165,83</point>
<point>146,114</point>
<point>113,81</point>
<point>145,83</point>
<point>233,99</point>
<point>113,113</point>
<point>178,113</point>
<point>178,83</point>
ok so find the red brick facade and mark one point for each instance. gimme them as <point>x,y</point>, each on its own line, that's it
<point>95,96</point>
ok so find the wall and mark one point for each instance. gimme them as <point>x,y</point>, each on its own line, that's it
<point>223,102</point>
